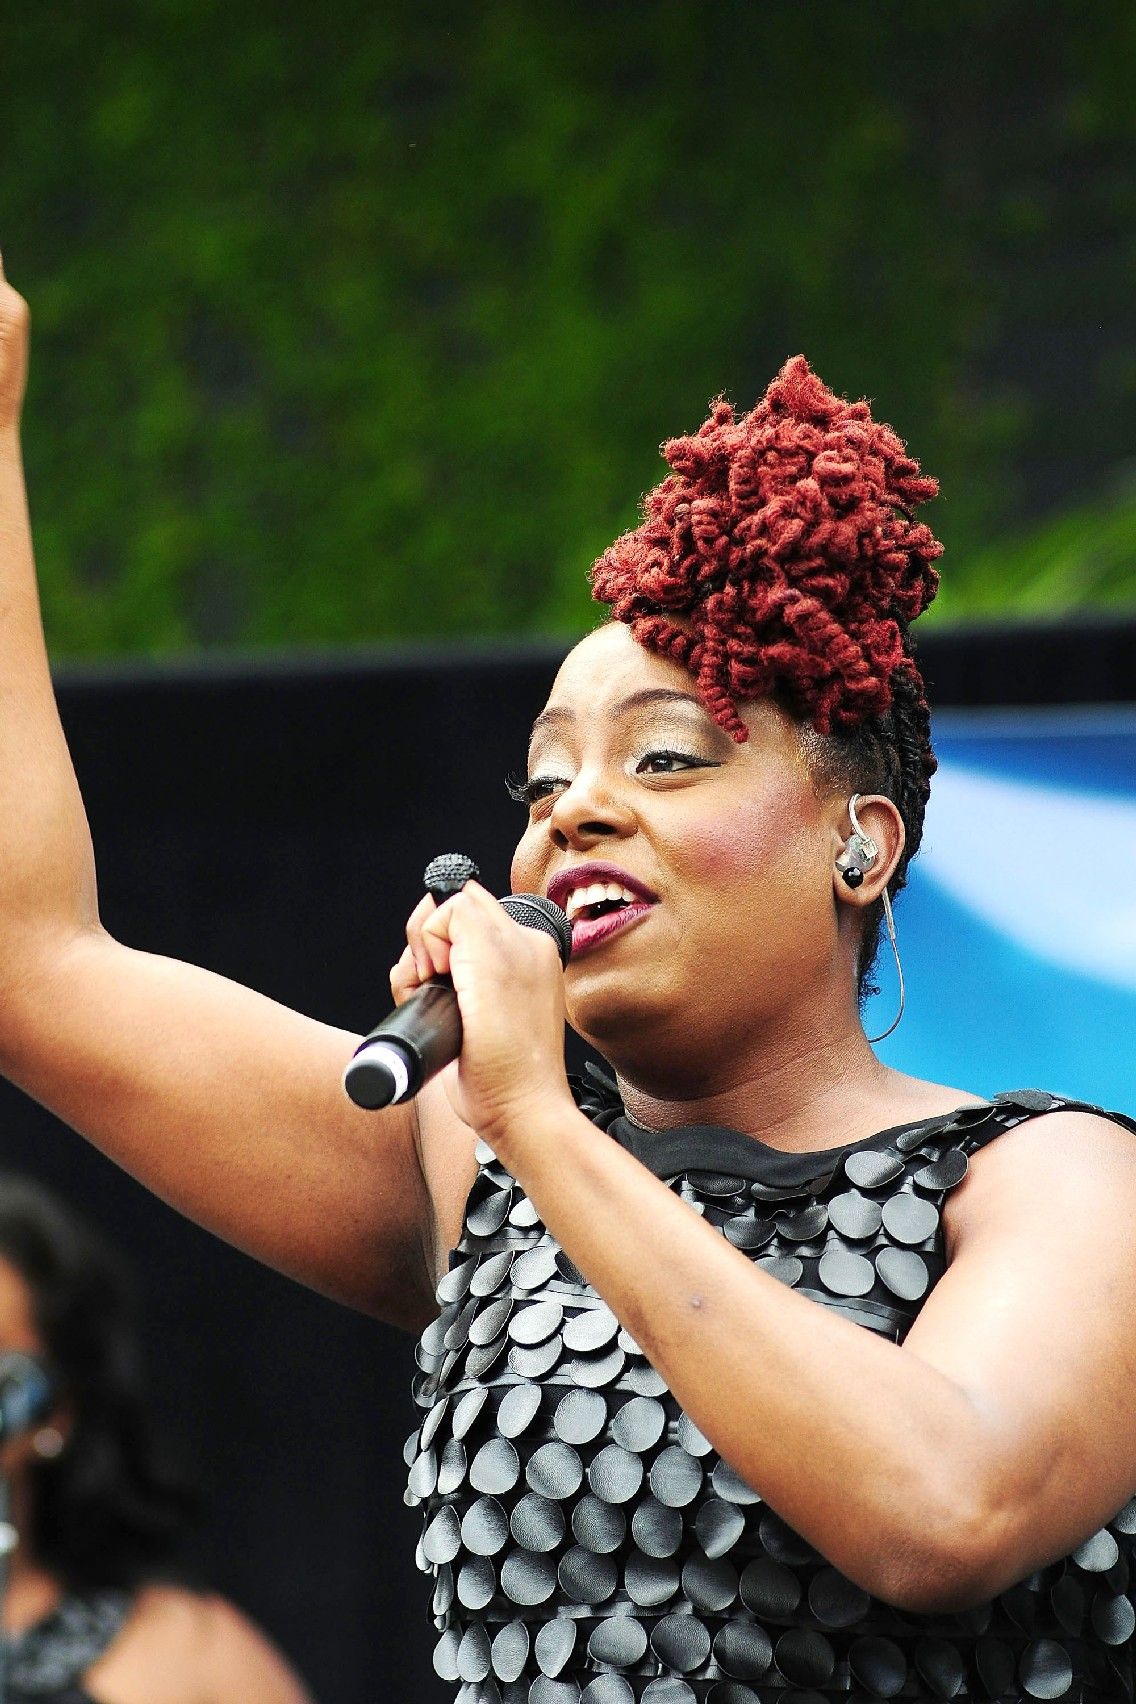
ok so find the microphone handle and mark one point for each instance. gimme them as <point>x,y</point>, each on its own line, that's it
<point>425,1032</point>
<point>407,1048</point>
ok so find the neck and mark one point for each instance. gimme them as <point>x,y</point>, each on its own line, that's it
<point>810,1095</point>
<point>31,1592</point>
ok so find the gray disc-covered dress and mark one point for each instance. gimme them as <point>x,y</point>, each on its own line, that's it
<point>587,1542</point>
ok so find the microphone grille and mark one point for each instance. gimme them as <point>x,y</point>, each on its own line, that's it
<point>447,874</point>
<point>536,912</point>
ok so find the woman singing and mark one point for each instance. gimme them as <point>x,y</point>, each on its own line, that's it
<point>762,1371</point>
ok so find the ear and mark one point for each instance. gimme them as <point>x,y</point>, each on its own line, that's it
<point>880,820</point>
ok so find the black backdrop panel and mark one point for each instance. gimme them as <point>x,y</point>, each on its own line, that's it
<point>272,822</point>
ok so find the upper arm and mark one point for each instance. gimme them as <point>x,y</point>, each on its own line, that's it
<point>1035,1319</point>
<point>241,1663</point>
<point>230,1107</point>
<point>181,1647</point>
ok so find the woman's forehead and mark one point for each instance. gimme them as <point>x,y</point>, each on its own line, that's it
<point>609,675</point>
<point>608,664</point>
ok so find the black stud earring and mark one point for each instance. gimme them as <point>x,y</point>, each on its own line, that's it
<point>860,850</point>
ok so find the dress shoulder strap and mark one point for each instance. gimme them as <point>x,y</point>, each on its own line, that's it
<point>979,1125</point>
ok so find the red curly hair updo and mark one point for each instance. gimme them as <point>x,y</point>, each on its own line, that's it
<point>780,558</point>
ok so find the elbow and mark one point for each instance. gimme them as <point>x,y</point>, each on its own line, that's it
<point>950,1554</point>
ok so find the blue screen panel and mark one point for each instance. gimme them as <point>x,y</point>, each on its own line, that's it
<point>1018,926</point>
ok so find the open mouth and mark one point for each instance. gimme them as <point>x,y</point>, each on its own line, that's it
<point>588,904</point>
<point>599,900</point>
<point>596,916</point>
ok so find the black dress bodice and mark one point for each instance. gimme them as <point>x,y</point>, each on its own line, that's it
<point>588,1544</point>
<point>46,1664</point>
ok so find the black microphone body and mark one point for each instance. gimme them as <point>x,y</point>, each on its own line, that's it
<point>424,1034</point>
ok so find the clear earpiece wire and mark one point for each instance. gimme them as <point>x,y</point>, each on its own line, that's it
<point>869,852</point>
<point>890,922</point>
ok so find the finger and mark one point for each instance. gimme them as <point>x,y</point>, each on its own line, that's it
<point>435,940</point>
<point>404,977</point>
<point>414,923</point>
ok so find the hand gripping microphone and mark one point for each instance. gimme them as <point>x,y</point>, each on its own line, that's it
<point>424,1034</point>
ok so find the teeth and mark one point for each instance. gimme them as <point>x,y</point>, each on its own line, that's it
<point>595,894</point>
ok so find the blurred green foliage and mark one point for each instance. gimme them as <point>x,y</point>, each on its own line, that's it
<point>357,322</point>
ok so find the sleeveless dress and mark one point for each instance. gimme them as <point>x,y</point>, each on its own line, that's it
<point>588,1544</point>
<point>46,1664</point>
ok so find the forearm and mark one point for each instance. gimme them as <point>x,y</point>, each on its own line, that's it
<point>47,884</point>
<point>873,1455</point>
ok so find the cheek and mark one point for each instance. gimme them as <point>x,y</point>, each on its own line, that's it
<point>732,847</point>
<point>525,875</point>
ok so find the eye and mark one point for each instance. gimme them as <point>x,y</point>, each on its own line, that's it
<point>536,788</point>
<point>666,762</point>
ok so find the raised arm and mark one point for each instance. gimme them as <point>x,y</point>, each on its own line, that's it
<point>226,1104</point>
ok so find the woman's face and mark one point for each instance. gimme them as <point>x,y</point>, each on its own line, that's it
<point>18,1331</point>
<point>727,849</point>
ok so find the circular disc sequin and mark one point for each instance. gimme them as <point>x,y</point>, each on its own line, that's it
<point>904,1272</point>
<point>743,1650</point>
<point>656,1529</point>
<point>639,1424</point>
<point>607,1689</point>
<point>649,1581</point>
<point>519,1407</point>
<point>855,1216</point>
<point>710,1585</point>
<point>484,1527</point>
<point>537,1523</point>
<point>588,1576</point>
<point>554,1644</point>
<point>510,1650</point>
<point>598,1526</point>
<point>769,1589</point>
<point>594,1371</point>
<point>535,1322</point>
<point>555,1470</point>
<point>491,1321</point>
<point>591,1330</point>
<point>535,1267</point>
<point>620,1640</point>
<point>580,1417</point>
<point>944,1173</point>
<point>451,1471</point>
<point>615,1474</point>
<point>718,1525</point>
<point>910,1219</point>
<point>495,1468</point>
<point>536,1362</point>
<point>805,1657</point>
<point>680,1642</point>
<point>528,1579</point>
<point>676,1477</point>
<point>846,1274</point>
<point>467,1410</point>
<point>872,1168</point>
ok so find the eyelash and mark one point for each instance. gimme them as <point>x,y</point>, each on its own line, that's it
<point>537,787</point>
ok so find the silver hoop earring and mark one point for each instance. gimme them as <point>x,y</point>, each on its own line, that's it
<point>859,854</point>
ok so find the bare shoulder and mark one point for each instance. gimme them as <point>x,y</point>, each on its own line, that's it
<point>1069,1167</point>
<point>185,1647</point>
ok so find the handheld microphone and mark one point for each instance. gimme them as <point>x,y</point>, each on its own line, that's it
<point>26,1393</point>
<point>424,1034</point>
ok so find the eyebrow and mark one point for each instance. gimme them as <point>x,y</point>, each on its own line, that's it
<point>635,700</point>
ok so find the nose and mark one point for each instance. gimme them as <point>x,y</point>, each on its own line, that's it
<point>588,812</point>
